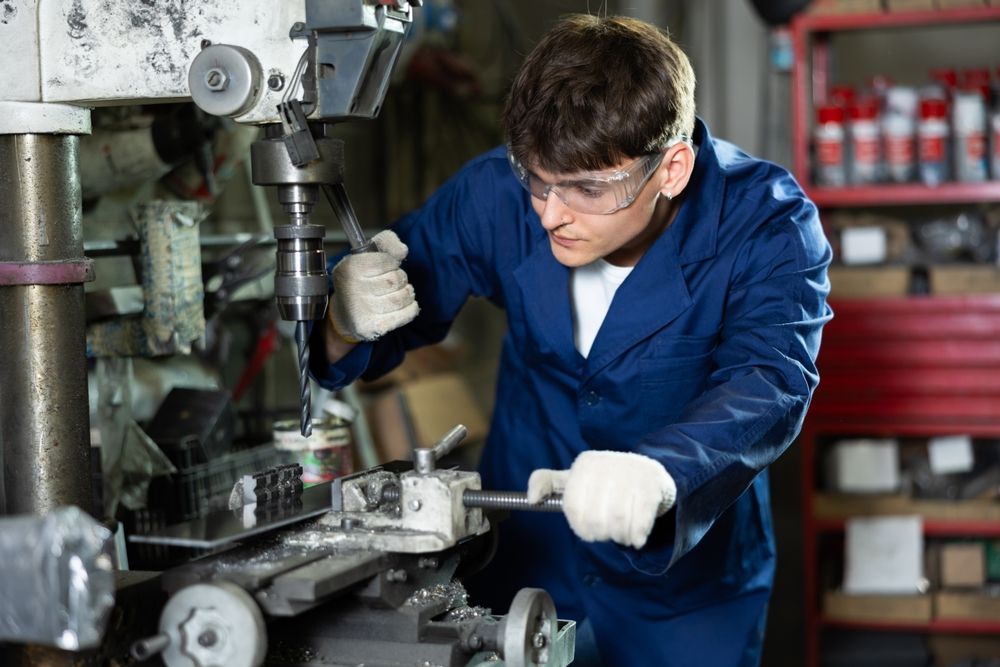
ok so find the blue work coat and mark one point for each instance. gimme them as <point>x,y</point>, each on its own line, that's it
<point>705,362</point>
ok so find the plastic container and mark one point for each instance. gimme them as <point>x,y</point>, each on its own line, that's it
<point>968,116</point>
<point>995,141</point>
<point>977,78</point>
<point>865,143</point>
<point>933,132</point>
<point>325,455</point>
<point>946,76</point>
<point>842,96</point>
<point>995,132</point>
<point>828,139</point>
<point>899,125</point>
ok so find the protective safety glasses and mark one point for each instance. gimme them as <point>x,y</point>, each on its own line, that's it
<point>600,193</point>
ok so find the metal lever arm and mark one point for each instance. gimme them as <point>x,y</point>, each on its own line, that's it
<point>425,457</point>
<point>342,209</point>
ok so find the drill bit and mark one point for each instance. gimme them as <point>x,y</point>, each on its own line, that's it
<point>305,397</point>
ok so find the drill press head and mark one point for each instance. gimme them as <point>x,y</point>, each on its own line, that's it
<point>300,283</point>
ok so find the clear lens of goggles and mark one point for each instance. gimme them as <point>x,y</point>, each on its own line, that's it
<point>593,192</point>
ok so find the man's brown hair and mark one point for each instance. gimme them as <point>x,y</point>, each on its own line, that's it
<point>596,91</point>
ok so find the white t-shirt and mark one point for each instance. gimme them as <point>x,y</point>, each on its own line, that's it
<point>593,286</point>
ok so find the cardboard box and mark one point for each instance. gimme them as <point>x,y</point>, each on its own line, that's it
<point>967,279</point>
<point>844,6</point>
<point>963,565</point>
<point>951,4</point>
<point>866,282</point>
<point>418,412</point>
<point>932,564</point>
<point>864,465</point>
<point>949,651</point>
<point>878,608</point>
<point>421,362</point>
<point>949,605</point>
<point>909,5</point>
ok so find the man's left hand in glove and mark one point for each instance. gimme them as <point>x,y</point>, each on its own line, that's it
<point>609,495</point>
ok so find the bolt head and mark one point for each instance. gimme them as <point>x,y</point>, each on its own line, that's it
<point>275,82</point>
<point>216,79</point>
<point>538,640</point>
<point>414,505</point>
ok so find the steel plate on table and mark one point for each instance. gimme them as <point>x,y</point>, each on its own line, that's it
<point>226,526</point>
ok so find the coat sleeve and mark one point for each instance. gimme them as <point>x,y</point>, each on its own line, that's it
<point>764,375</point>
<point>451,255</point>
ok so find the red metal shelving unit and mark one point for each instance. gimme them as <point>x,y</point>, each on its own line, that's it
<point>900,367</point>
<point>810,37</point>
<point>932,528</point>
<point>937,627</point>
<point>904,194</point>
<point>907,367</point>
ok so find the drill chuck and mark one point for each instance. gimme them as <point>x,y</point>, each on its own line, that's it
<point>300,282</point>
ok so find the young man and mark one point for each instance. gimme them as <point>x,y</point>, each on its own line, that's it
<point>665,294</point>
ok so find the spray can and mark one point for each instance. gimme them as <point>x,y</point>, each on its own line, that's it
<point>995,131</point>
<point>865,143</point>
<point>976,78</point>
<point>899,121</point>
<point>969,122</point>
<point>995,135</point>
<point>932,141</point>
<point>828,140</point>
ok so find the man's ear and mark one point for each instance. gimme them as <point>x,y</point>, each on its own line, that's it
<point>675,169</point>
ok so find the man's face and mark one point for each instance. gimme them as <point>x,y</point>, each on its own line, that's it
<point>621,237</point>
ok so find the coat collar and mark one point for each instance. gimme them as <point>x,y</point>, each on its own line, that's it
<point>653,295</point>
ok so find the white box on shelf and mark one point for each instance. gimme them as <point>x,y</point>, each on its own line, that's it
<point>950,454</point>
<point>863,245</point>
<point>884,556</point>
<point>865,466</point>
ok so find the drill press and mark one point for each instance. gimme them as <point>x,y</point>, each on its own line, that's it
<point>300,282</point>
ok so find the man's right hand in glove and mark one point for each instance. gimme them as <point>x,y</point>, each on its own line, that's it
<point>371,296</point>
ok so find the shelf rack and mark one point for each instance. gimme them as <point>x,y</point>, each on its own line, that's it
<point>810,37</point>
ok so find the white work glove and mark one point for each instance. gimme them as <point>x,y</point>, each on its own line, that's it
<point>372,295</point>
<point>609,495</point>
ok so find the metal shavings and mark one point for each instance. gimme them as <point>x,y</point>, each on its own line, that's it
<point>283,652</point>
<point>268,557</point>
<point>460,614</point>
<point>453,594</point>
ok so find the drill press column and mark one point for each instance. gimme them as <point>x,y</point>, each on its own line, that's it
<point>44,421</point>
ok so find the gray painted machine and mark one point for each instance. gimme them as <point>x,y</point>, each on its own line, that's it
<point>359,571</point>
<point>363,571</point>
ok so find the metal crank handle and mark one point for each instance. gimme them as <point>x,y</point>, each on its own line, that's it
<point>493,500</point>
<point>336,195</point>
<point>516,500</point>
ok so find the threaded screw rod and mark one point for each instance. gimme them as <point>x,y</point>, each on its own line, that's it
<point>510,500</point>
<point>494,500</point>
